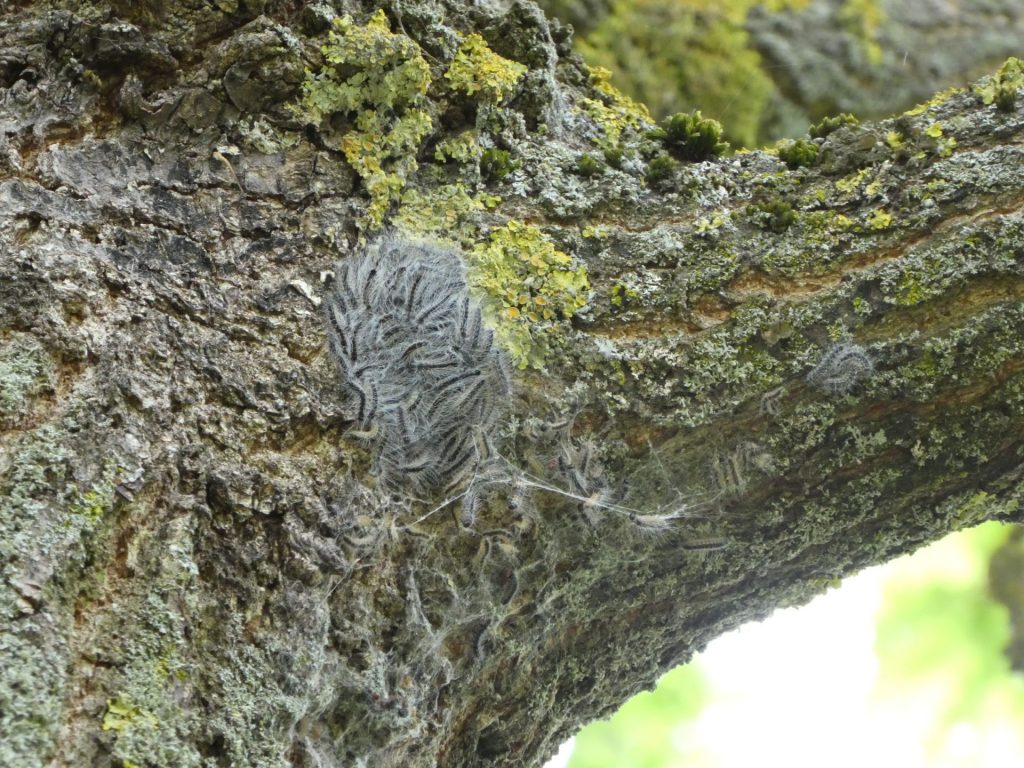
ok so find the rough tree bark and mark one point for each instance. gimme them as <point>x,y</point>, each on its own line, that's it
<point>197,566</point>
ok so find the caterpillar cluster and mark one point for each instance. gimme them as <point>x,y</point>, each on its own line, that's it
<point>428,382</point>
<point>841,368</point>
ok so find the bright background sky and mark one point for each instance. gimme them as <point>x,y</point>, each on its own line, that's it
<point>900,666</point>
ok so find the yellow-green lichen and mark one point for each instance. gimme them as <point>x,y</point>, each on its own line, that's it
<point>378,80</point>
<point>462,148</point>
<point>706,226</point>
<point>622,295</point>
<point>944,145</point>
<point>98,499</point>
<point>477,69</point>
<point>596,231</point>
<point>937,100</point>
<point>1001,89</point>
<point>261,136</point>
<point>441,209</point>
<point>122,714</point>
<point>852,182</point>
<point>614,112</point>
<point>528,288</point>
<point>910,291</point>
<point>879,219</point>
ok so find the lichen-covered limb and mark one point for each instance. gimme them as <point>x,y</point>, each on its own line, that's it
<point>818,360</point>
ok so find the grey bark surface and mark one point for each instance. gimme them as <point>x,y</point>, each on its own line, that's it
<point>198,566</point>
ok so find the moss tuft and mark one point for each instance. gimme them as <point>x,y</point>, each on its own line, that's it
<point>496,164</point>
<point>691,137</point>
<point>799,153</point>
<point>588,165</point>
<point>613,156</point>
<point>830,124</point>
<point>660,168</point>
<point>776,215</point>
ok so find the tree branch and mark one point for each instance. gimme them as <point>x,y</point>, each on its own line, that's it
<point>819,366</point>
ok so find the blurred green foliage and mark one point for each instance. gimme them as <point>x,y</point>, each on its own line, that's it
<point>640,734</point>
<point>675,56</point>
<point>940,638</point>
<point>941,673</point>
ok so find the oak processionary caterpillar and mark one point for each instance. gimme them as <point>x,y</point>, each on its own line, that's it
<point>430,387</point>
<point>424,374</point>
<point>841,368</point>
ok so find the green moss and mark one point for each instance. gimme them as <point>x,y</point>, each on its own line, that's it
<point>476,69</point>
<point>776,215</point>
<point>830,124</point>
<point>1006,98</point>
<point>690,137</point>
<point>377,81</point>
<point>496,164</point>
<point>588,165</point>
<point>799,153</point>
<point>528,289</point>
<point>660,168</point>
<point>613,156</point>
